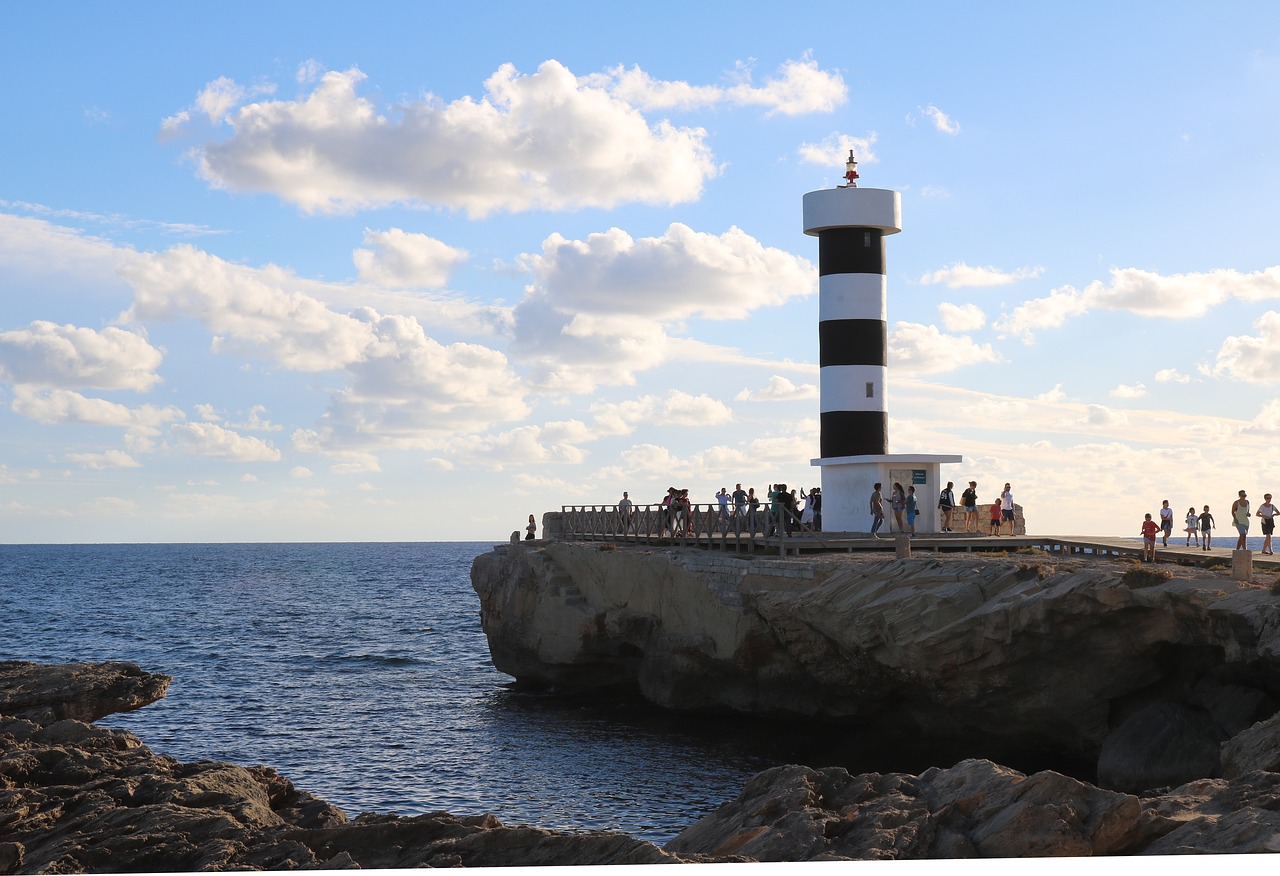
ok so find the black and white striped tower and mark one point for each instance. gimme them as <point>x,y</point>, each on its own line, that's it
<point>851,224</point>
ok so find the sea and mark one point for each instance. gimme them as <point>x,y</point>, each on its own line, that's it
<point>360,671</point>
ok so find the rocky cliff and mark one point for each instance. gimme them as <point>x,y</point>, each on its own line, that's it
<point>1095,660</point>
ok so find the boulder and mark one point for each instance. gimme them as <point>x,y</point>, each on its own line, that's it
<point>80,691</point>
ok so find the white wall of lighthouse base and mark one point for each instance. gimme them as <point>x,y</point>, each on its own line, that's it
<point>848,481</point>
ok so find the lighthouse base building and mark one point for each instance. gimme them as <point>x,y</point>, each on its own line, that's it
<point>851,224</point>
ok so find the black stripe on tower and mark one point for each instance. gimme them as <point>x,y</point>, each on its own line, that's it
<point>852,342</point>
<point>850,251</point>
<point>854,433</point>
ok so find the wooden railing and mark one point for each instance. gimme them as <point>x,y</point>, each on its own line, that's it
<point>692,523</point>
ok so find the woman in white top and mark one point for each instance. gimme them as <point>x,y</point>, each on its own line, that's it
<point>1267,512</point>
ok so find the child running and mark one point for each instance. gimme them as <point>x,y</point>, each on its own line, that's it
<point>1193,528</point>
<point>1149,530</point>
<point>1206,524</point>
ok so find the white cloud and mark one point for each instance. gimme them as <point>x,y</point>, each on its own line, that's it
<point>923,349</point>
<point>941,121</point>
<point>208,439</point>
<point>52,406</point>
<point>1041,313</point>
<point>779,388</point>
<point>800,87</point>
<point>1172,375</point>
<point>403,260</point>
<point>300,471</point>
<point>1136,390</point>
<point>599,308</point>
<point>1255,358</point>
<point>960,275</point>
<point>677,408</point>
<point>49,355</point>
<point>540,141</point>
<point>1177,296</point>
<point>961,317</point>
<point>834,150</point>
<point>109,459</point>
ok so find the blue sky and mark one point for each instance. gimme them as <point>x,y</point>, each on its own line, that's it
<point>412,272</point>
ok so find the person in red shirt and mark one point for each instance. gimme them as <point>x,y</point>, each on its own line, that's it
<point>995,518</point>
<point>1149,530</point>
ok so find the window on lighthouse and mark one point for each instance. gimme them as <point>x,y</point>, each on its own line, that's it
<point>871,390</point>
<point>866,238</point>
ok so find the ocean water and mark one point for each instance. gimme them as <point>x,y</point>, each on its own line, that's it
<point>360,672</point>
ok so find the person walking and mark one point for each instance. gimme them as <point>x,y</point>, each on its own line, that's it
<point>1192,530</point>
<point>1166,521</point>
<point>877,510</point>
<point>947,505</point>
<point>1149,530</point>
<point>970,499</point>
<point>1206,525</point>
<point>1240,516</point>
<point>1267,512</point>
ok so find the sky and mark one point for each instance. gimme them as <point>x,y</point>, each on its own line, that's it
<point>412,271</point>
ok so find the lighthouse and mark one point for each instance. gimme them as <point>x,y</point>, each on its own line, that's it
<point>851,224</point>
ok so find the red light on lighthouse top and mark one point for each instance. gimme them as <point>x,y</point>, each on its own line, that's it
<point>851,171</point>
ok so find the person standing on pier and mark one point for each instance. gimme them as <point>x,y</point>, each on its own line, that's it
<point>723,498</point>
<point>898,502</point>
<point>947,505</point>
<point>1006,507</point>
<point>970,499</point>
<point>1240,515</point>
<point>1206,525</point>
<point>995,517</point>
<point>1149,530</point>
<point>625,511</point>
<point>739,501</point>
<point>877,510</point>
<point>1267,512</point>
<point>1166,521</point>
<point>912,509</point>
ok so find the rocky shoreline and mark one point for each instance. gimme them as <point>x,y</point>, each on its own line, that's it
<point>77,797</point>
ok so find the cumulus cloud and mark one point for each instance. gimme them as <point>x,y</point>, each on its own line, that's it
<point>779,388</point>
<point>834,150</point>
<point>1172,375</point>
<point>404,260</point>
<point>1177,296</point>
<point>108,459</point>
<point>800,87</point>
<point>212,440</point>
<point>923,349</point>
<point>941,121</point>
<point>676,408</point>
<point>960,275</point>
<point>1136,390</point>
<point>605,302</point>
<point>543,141</point>
<point>961,317</point>
<point>1254,358</point>
<point>45,354</point>
<point>51,406</point>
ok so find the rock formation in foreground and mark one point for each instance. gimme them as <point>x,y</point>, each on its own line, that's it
<point>75,797</point>
<point>1085,660</point>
